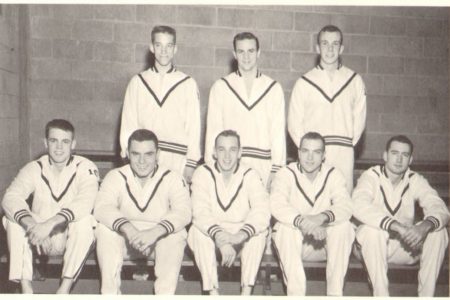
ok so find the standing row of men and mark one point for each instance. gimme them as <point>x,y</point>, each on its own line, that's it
<point>329,99</point>
<point>143,207</point>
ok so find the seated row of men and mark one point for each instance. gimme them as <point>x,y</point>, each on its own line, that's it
<point>142,210</point>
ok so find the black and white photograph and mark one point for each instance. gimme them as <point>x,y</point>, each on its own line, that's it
<point>255,148</point>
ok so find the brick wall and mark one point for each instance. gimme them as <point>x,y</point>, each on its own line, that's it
<point>10,159</point>
<point>82,56</point>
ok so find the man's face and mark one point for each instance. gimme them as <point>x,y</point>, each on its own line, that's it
<point>329,47</point>
<point>164,48</point>
<point>59,144</point>
<point>311,155</point>
<point>246,54</point>
<point>398,158</point>
<point>227,152</point>
<point>143,157</point>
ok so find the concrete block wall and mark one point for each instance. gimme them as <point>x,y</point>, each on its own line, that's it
<point>10,160</point>
<point>82,56</point>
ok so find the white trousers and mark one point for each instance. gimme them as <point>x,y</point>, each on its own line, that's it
<point>261,166</point>
<point>342,158</point>
<point>173,161</point>
<point>378,250</point>
<point>75,243</point>
<point>204,250</point>
<point>292,248</point>
<point>112,249</point>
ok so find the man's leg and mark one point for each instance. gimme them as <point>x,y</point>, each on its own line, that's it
<point>288,243</point>
<point>431,259</point>
<point>251,256</point>
<point>110,252</point>
<point>374,251</point>
<point>339,243</point>
<point>169,253</point>
<point>342,158</point>
<point>80,242</point>
<point>20,255</point>
<point>204,251</point>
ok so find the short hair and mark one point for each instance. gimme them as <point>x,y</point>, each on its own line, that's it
<point>401,139</point>
<point>59,124</point>
<point>141,135</point>
<point>330,28</point>
<point>164,29</point>
<point>245,36</point>
<point>312,135</point>
<point>227,133</point>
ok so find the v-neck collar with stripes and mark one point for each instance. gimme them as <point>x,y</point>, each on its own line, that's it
<point>330,89</point>
<point>140,195</point>
<point>262,85</point>
<point>226,194</point>
<point>392,197</point>
<point>58,184</point>
<point>160,88</point>
<point>310,190</point>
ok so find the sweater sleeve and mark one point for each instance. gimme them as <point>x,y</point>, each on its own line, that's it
<point>180,208</point>
<point>341,205</point>
<point>129,120</point>
<point>193,126</point>
<point>214,123</point>
<point>364,208</point>
<point>107,205</point>
<point>280,207</point>
<point>296,112</point>
<point>359,110</point>
<point>278,136</point>
<point>258,218</point>
<point>433,206</point>
<point>202,196</point>
<point>24,184</point>
<point>87,188</point>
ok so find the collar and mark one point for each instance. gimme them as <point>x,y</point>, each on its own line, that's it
<point>258,73</point>
<point>155,69</point>
<point>151,175</point>
<point>216,166</point>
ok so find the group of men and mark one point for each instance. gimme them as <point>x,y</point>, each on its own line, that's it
<point>142,208</point>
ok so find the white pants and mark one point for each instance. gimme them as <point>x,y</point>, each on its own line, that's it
<point>378,250</point>
<point>167,254</point>
<point>261,166</point>
<point>342,158</point>
<point>292,249</point>
<point>75,243</point>
<point>204,250</point>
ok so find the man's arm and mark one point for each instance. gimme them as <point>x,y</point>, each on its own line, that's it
<point>359,110</point>
<point>296,113</point>
<point>214,121</point>
<point>278,136</point>
<point>129,119</point>
<point>193,130</point>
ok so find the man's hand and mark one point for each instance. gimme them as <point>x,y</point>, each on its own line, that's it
<point>222,238</point>
<point>399,228</point>
<point>228,255</point>
<point>44,247</point>
<point>187,174</point>
<point>416,235</point>
<point>238,238</point>
<point>146,238</point>
<point>129,231</point>
<point>39,232</point>
<point>311,222</point>
<point>320,233</point>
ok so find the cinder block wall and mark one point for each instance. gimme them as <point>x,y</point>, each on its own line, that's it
<point>82,56</point>
<point>10,159</point>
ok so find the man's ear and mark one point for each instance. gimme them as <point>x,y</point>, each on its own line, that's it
<point>152,49</point>
<point>385,156</point>
<point>410,160</point>
<point>45,143</point>
<point>341,49</point>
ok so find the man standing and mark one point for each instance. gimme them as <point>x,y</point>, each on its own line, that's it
<point>231,213</point>
<point>252,104</point>
<point>312,207</point>
<point>64,187</point>
<point>143,209</point>
<point>330,99</point>
<point>384,201</point>
<point>166,101</point>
